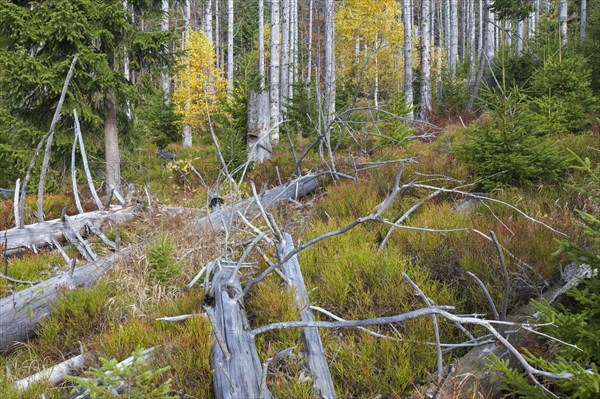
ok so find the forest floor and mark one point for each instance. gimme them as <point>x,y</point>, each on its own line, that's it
<point>355,275</point>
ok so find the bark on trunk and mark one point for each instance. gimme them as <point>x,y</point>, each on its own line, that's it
<point>229,46</point>
<point>275,70</point>
<point>582,21</point>
<point>259,141</point>
<point>112,155</point>
<point>425,102</point>
<point>562,22</point>
<point>408,77</point>
<point>261,42</point>
<point>285,56</point>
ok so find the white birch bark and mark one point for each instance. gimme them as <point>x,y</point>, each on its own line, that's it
<point>582,21</point>
<point>165,79</point>
<point>562,22</point>
<point>425,101</point>
<point>310,41</point>
<point>208,17</point>
<point>329,62</point>
<point>274,70</point>
<point>285,55</point>
<point>229,46</point>
<point>186,129</point>
<point>520,33</point>
<point>453,36</point>
<point>261,43</point>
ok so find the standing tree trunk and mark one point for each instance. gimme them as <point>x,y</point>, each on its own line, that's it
<point>483,60</point>
<point>186,129</point>
<point>208,16</point>
<point>112,156</point>
<point>261,43</point>
<point>329,63</point>
<point>274,70</point>
<point>562,21</point>
<point>310,41</point>
<point>472,47</point>
<point>285,55</point>
<point>229,46</point>
<point>408,86</point>
<point>453,36</point>
<point>582,21</point>
<point>293,47</point>
<point>520,26</point>
<point>259,142</point>
<point>425,101</point>
<point>165,79</point>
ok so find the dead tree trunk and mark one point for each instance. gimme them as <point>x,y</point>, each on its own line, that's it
<point>259,140</point>
<point>313,347</point>
<point>21,312</point>
<point>238,371</point>
<point>39,235</point>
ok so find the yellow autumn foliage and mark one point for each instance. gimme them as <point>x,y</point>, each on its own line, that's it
<point>374,28</point>
<point>200,85</point>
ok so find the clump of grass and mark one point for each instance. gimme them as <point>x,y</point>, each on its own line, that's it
<point>29,267</point>
<point>161,258</point>
<point>77,314</point>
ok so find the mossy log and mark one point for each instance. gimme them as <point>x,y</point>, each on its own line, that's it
<point>313,347</point>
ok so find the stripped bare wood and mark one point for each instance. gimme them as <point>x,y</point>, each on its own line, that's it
<point>74,177</point>
<point>16,203</point>
<point>55,374</point>
<point>41,234</point>
<point>107,241</point>
<point>77,240</point>
<point>85,162</point>
<point>239,375</point>
<point>313,347</point>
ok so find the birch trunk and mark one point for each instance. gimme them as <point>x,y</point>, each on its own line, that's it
<point>261,43</point>
<point>329,64</point>
<point>520,32</point>
<point>112,155</point>
<point>285,55</point>
<point>275,70</point>
<point>165,79</point>
<point>582,21</point>
<point>453,58</point>
<point>229,46</point>
<point>483,60</point>
<point>562,22</point>
<point>425,101</point>
<point>186,129</point>
<point>208,16</point>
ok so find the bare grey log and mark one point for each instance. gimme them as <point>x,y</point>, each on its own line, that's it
<point>107,241</point>
<point>313,347</point>
<point>46,160</point>
<point>21,312</point>
<point>56,373</point>
<point>259,140</point>
<point>42,234</point>
<point>237,376</point>
<point>85,162</point>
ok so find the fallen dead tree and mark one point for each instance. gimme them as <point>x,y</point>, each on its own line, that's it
<point>35,236</point>
<point>313,347</point>
<point>21,312</point>
<point>55,374</point>
<point>237,368</point>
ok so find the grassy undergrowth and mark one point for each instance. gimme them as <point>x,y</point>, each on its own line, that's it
<point>347,275</point>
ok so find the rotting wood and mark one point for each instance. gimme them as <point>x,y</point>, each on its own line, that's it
<point>313,347</point>
<point>21,312</point>
<point>55,374</point>
<point>42,234</point>
<point>237,368</point>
